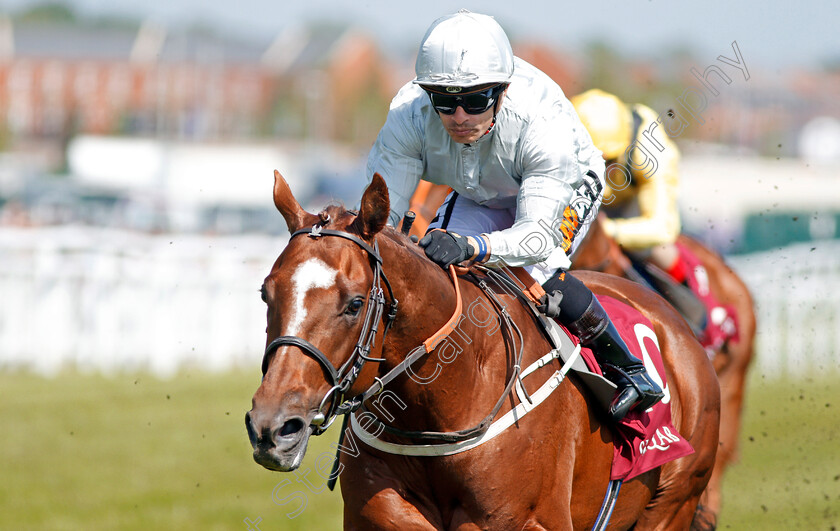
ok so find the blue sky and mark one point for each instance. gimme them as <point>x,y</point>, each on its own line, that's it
<point>771,34</point>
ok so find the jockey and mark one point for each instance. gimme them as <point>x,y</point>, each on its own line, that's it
<point>525,177</point>
<point>641,203</point>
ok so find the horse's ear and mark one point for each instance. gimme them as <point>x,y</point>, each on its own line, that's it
<point>294,214</point>
<point>375,208</point>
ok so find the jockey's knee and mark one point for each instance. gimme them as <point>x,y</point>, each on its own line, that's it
<point>576,296</point>
<point>664,256</point>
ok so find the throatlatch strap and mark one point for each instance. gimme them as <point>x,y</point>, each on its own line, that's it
<point>427,347</point>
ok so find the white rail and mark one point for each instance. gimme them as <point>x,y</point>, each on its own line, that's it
<point>116,301</point>
<point>110,301</point>
<point>797,296</point>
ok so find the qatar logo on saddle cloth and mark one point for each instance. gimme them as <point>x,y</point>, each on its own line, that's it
<point>643,440</point>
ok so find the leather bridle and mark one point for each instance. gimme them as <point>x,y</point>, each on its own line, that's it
<point>342,378</point>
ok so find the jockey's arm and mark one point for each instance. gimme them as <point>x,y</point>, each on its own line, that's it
<point>658,221</point>
<point>552,179</point>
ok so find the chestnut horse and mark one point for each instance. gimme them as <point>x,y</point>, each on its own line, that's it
<point>351,301</point>
<point>599,252</point>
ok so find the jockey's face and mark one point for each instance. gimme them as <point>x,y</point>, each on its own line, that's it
<point>467,128</point>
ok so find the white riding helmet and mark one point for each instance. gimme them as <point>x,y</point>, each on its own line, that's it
<point>463,50</point>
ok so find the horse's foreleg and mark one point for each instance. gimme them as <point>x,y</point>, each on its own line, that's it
<point>376,497</point>
<point>387,511</point>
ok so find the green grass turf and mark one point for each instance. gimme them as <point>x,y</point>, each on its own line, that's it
<point>136,452</point>
<point>788,475</point>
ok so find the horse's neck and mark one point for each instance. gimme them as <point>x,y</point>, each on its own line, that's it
<point>426,294</point>
<point>597,252</point>
<point>458,366</point>
<point>427,302</point>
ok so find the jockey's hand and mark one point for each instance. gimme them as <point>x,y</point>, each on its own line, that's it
<point>446,248</point>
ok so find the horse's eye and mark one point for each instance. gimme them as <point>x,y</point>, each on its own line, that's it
<point>355,306</point>
<point>263,294</point>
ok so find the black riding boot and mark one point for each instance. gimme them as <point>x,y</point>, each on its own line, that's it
<point>636,390</point>
<point>573,304</point>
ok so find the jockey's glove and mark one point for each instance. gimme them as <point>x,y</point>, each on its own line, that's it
<point>446,248</point>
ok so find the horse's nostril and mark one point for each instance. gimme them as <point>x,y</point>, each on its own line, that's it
<point>252,434</point>
<point>290,427</point>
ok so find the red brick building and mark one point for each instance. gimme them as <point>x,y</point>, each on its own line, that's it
<point>60,80</point>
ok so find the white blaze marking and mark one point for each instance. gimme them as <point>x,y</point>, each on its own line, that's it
<point>310,274</point>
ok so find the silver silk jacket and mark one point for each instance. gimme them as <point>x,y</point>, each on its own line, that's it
<point>534,158</point>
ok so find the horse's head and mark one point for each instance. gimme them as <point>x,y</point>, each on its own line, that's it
<point>320,311</point>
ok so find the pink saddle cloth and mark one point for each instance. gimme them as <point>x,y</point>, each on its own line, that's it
<point>721,321</point>
<point>644,440</point>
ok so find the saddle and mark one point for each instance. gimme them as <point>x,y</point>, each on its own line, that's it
<point>712,322</point>
<point>643,439</point>
<point>681,297</point>
<point>530,291</point>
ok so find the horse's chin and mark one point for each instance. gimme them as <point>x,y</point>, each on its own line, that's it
<point>288,456</point>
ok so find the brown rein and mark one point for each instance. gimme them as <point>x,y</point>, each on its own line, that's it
<point>509,326</point>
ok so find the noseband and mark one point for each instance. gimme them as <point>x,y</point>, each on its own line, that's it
<point>341,379</point>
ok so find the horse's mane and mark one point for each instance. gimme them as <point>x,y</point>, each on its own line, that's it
<point>342,219</point>
<point>421,270</point>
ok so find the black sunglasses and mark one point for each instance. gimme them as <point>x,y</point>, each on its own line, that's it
<point>473,103</point>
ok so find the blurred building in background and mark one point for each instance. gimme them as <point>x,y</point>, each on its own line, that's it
<point>62,75</point>
<point>58,80</point>
<point>118,122</point>
<point>128,118</point>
